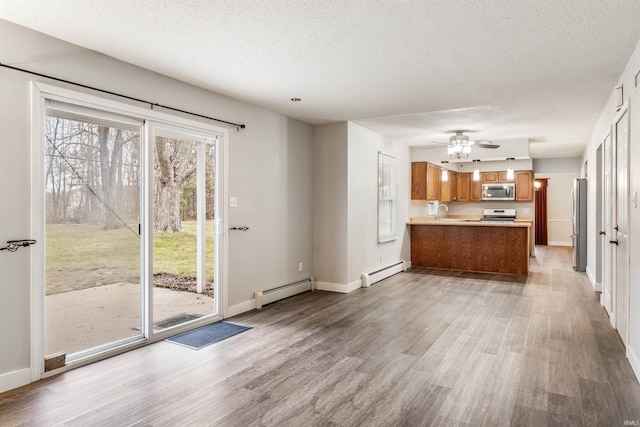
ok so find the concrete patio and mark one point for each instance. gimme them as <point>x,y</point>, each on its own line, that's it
<point>81,319</point>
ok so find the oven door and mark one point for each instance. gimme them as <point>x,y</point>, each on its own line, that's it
<point>498,191</point>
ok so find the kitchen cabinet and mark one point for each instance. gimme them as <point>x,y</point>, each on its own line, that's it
<point>425,181</point>
<point>449,188</point>
<point>474,247</point>
<point>434,182</point>
<point>502,177</point>
<point>490,177</point>
<point>464,187</point>
<point>419,181</point>
<point>476,191</point>
<point>524,186</point>
<point>495,177</point>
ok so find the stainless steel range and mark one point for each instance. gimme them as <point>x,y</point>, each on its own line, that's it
<point>499,215</point>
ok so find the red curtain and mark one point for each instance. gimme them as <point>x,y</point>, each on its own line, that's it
<point>541,211</point>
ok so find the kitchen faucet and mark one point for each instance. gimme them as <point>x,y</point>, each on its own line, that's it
<point>446,208</point>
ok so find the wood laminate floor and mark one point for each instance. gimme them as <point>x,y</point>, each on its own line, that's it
<point>421,348</point>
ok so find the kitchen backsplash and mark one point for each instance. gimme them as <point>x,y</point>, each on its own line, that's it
<point>418,208</point>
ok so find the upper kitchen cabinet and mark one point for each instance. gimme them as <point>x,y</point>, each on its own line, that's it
<point>490,177</point>
<point>425,181</point>
<point>524,186</point>
<point>476,191</point>
<point>464,187</point>
<point>502,177</point>
<point>449,188</point>
<point>495,177</point>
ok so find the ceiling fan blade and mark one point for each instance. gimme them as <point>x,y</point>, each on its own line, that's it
<point>428,147</point>
<point>485,143</point>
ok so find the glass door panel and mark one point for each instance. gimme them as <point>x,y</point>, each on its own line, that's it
<point>183,229</point>
<point>93,293</point>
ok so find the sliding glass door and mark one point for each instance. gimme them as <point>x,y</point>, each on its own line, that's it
<point>131,229</point>
<point>184,218</point>
<point>93,292</point>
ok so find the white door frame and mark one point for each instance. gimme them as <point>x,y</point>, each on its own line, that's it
<point>39,93</point>
<point>608,162</point>
<point>621,285</point>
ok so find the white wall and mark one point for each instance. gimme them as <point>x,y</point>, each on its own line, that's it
<point>270,172</point>
<point>364,250</point>
<point>606,119</point>
<point>345,186</point>
<point>330,195</point>
<point>559,226</point>
<point>557,165</point>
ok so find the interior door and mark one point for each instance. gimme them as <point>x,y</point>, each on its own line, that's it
<point>622,225</point>
<point>608,202</point>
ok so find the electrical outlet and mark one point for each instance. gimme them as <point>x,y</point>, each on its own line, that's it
<point>381,257</point>
<point>233,202</point>
<point>300,267</point>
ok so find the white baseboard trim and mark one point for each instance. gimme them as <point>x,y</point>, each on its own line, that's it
<point>339,287</point>
<point>596,286</point>
<point>243,307</point>
<point>559,243</point>
<point>633,361</point>
<point>15,379</point>
<point>408,264</point>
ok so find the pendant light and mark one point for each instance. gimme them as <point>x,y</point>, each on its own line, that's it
<point>510,169</point>
<point>476,172</point>
<point>445,172</point>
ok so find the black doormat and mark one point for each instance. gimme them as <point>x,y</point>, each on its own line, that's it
<point>207,335</point>
<point>176,320</point>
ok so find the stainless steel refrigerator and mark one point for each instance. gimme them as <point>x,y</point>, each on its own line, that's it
<point>579,220</point>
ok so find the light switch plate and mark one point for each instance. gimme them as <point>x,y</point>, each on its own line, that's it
<point>233,202</point>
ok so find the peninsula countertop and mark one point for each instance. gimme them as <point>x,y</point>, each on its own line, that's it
<point>468,220</point>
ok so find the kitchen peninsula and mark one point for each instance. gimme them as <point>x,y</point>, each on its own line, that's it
<point>467,244</point>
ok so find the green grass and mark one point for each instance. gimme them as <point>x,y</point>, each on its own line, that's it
<point>83,256</point>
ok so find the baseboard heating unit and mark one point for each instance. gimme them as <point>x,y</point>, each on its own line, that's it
<point>369,279</point>
<point>284,291</point>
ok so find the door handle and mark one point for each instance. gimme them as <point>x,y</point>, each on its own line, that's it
<point>615,228</point>
<point>613,241</point>
<point>243,228</point>
<point>602,233</point>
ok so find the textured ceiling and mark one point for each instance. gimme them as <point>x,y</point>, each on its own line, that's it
<point>411,70</point>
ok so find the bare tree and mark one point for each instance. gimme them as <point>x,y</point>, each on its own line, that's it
<point>175,162</point>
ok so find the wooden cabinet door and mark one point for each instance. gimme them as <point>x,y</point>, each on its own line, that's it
<point>434,181</point>
<point>490,177</point>
<point>453,179</point>
<point>419,181</point>
<point>502,177</point>
<point>524,186</point>
<point>449,188</point>
<point>476,191</point>
<point>464,187</point>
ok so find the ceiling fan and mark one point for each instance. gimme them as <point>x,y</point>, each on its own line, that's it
<point>459,145</point>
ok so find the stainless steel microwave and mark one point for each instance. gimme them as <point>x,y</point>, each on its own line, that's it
<point>505,191</point>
